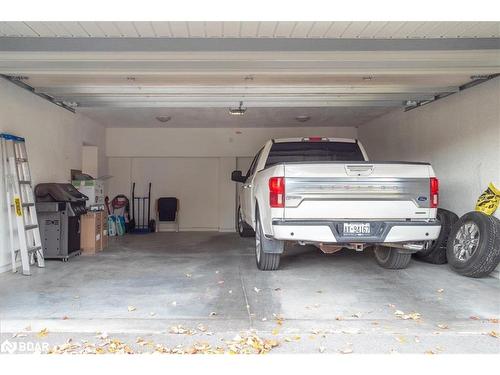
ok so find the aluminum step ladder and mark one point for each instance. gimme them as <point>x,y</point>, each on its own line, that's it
<point>25,233</point>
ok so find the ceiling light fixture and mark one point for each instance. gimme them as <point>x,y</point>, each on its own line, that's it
<point>303,118</point>
<point>163,118</point>
<point>70,104</point>
<point>479,76</point>
<point>240,111</point>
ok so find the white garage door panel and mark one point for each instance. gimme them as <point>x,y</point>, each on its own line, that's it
<point>193,180</point>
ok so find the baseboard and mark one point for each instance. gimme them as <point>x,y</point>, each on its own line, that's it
<point>8,267</point>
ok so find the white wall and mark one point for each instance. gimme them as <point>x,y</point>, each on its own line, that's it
<point>192,164</point>
<point>204,142</point>
<point>54,139</point>
<point>459,135</point>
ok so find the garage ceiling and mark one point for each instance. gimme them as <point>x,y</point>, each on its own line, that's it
<point>347,30</point>
<point>125,74</point>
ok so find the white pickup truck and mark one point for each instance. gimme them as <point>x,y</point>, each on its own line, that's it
<point>325,192</point>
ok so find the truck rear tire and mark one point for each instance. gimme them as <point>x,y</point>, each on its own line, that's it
<point>436,252</point>
<point>266,261</point>
<point>474,245</point>
<point>391,258</point>
<point>244,230</point>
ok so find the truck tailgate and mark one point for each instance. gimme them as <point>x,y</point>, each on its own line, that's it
<point>356,190</point>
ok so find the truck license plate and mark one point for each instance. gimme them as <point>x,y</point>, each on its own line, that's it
<point>357,228</point>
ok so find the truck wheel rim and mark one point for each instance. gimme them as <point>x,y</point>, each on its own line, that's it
<point>466,241</point>
<point>257,241</point>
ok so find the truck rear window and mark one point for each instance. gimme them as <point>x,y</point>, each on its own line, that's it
<point>284,152</point>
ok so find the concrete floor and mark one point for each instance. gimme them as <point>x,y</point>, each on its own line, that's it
<point>326,301</point>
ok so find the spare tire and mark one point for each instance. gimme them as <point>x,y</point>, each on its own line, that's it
<point>435,253</point>
<point>474,245</point>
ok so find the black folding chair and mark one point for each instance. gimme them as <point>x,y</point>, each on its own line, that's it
<point>167,209</point>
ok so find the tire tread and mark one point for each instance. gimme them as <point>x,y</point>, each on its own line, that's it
<point>396,261</point>
<point>489,256</point>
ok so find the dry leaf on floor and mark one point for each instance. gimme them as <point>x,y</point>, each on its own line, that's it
<point>103,336</point>
<point>494,334</point>
<point>494,320</point>
<point>131,308</point>
<point>442,326</point>
<point>440,290</point>
<point>256,290</point>
<point>351,331</point>
<point>181,330</point>
<point>65,317</point>
<point>346,350</point>
<point>357,315</point>
<point>201,327</point>
<point>188,275</point>
<point>339,318</point>
<point>43,333</point>
<point>412,316</point>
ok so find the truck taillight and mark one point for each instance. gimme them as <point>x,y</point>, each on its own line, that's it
<point>277,192</point>
<point>434,192</point>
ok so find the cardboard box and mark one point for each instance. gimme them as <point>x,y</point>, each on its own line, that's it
<point>94,189</point>
<point>94,236</point>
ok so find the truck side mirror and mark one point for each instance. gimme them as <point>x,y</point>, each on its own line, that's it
<point>237,176</point>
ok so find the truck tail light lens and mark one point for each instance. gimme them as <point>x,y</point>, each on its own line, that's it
<point>277,192</point>
<point>434,192</point>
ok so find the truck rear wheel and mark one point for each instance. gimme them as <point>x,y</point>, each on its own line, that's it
<point>436,252</point>
<point>244,230</point>
<point>266,261</point>
<point>391,258</point>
